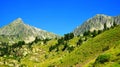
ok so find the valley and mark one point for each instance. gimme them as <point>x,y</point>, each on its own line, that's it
<point>96,43</point>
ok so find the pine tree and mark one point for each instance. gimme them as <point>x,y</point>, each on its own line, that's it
<point>71,35</point>
<point>94,33</point>
<point>105,26</point>
<point>79,42</point>
<point>99,31</point>
<point>86,33</point>
<point>114,24</point>
<point>61,41</point>
<point>68,36</point>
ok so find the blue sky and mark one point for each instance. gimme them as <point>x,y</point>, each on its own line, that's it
<point>58,16</point>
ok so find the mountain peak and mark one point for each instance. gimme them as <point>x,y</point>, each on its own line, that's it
<point>101,15</point>
<point>18,20</point>
<point>17,30</point>
<point>96,23</point>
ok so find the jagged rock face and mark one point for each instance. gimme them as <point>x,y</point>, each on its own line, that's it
<point>117,19</point>
<point>18,30</point>
<point>96,23</point>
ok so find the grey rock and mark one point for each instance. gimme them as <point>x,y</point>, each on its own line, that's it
<point>96,23</point>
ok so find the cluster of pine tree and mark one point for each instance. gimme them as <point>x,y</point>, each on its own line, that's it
<point>16,50</point>
<point>88,34</point>
<point>63,41</point>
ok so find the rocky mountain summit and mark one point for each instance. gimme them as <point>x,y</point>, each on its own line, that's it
<point>18,30</point>
<point>96,23</point>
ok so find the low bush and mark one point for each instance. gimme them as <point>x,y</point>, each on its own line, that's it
<point>103,58</point>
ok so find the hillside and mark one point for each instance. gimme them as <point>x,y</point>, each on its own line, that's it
<point>81,56</point>
<point>105,42</point>
<point>93,49</point>
<point>18,30</point>
<point>96,23</point>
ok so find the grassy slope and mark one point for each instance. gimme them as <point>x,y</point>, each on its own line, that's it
<point>38,52</point>
<point>53,57</point>
<point>92,48</point>
<point>114,60</point>
<point>81,56</point>
<point>57,56</point>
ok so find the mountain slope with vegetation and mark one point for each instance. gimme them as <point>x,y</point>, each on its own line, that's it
<point>92,48</point>
<point>67,51</point>
<point>96,23</point>
<point>98,48</point>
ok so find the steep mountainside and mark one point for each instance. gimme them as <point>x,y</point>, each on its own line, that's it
<point>17,30</point>
<point>84,55</point>
<point>106,43</point>
<point>95,49</point>
<point>96,23</point>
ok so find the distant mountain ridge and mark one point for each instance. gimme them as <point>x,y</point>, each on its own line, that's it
<point>18,30</point>
<point>96,23</point>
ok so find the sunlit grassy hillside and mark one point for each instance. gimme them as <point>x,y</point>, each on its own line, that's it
<point>101,50</point>
<point>92,48</point>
